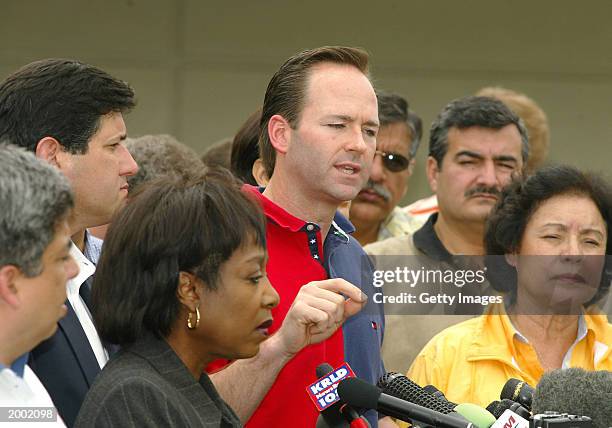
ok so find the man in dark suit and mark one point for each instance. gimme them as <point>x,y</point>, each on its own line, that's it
<point>71,115</point>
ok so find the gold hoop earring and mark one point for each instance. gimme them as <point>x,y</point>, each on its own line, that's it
<point>190,324</point>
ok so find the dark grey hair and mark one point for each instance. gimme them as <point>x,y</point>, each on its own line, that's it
<point>160,156</point>
<point>34,197</point>
<point>472,111</point>
<point>393,108</point>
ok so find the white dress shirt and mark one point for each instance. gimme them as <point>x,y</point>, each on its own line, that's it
<point>86,269</point>
<point>24,392</point>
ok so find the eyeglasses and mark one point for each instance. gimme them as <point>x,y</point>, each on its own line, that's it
<point>394,162</point>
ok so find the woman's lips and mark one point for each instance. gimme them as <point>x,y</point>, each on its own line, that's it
<point>570,277</point>
<point>264,326</point>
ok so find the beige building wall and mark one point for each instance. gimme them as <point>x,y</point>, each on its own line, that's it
<point>200,67</point>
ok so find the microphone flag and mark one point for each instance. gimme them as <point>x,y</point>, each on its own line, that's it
<point>323,392</point>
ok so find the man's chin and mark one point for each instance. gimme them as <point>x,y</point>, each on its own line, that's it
<point>367,211</point>
<point>118,206</point>
<point>341,193</point>
<point>477,213</point>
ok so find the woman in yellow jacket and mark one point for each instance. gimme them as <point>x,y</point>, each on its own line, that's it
<point>550,235</point>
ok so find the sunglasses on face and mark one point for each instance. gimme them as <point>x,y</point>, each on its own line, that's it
<point>394,162</point>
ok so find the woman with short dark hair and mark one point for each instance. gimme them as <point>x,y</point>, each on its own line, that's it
<point>181,282</point>
<point>547,241</point>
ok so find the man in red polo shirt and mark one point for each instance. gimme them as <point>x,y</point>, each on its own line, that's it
<point>317,143</point>
<point>318,139</point>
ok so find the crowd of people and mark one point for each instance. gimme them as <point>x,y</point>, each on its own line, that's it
<point>142,284</point>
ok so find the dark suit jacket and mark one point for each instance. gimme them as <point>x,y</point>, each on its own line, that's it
<point>147,385</point>
<point>66,366</point>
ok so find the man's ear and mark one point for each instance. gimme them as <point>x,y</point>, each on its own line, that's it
<point>9,274</point>
<point>432,170</point>
<point>259,173</point>
<point>279,131</point>
<point>188,290</point>
<point>49,149</point>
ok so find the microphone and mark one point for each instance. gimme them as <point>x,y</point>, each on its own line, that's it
<point>509,414</point>
<point>398,385</point>
<point>338,415</point>
<point>323,369</point>
<point>518,391</point>
<point>509,419</point>
<point>576,392</point>
<point>430,389</point>
<point>358,393</point>
<point>497,408</point>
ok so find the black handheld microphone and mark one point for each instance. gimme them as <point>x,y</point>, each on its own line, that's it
<point>400,386</point>
<point>430,389</point>
<point>518,391</point>
<point>358,393</point>
<point>497,408</point>
<point>338,415</point>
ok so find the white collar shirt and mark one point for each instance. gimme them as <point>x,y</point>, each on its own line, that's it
<point>86,269</point>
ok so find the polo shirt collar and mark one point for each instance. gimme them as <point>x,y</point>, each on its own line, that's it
<point>427,241</point>
<point>340,226</point>
<point>336,231</point>
<point>343,223</point>
<point>274,212</point>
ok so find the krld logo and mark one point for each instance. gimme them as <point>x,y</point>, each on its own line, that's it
<point>323,392</point>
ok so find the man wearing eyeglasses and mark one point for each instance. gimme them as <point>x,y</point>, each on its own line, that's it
<point>374,211</point>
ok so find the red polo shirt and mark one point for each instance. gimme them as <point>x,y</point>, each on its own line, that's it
<point>295,252</point>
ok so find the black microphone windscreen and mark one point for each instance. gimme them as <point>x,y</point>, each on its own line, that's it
<point>323,369</point>
<point>494,409</point>
<point>400,386</point>
<point>578,392</point>
<point>358,393</point>
<point>432,390</point>
<point>518,391</point>
<point>497,408</point>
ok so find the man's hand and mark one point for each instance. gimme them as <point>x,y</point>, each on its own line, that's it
<point>317,312</point>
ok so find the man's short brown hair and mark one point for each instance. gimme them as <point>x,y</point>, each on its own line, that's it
<point>287,89</point>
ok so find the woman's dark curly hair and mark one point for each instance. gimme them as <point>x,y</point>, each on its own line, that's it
<point>191,224</point>
<point>517,204</point>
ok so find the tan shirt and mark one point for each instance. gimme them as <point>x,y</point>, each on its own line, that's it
<point>406,335</point>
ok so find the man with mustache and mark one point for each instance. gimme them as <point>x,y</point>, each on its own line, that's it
<point>536,122</point>
<point>476,145</point>
<point>374,211</point>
